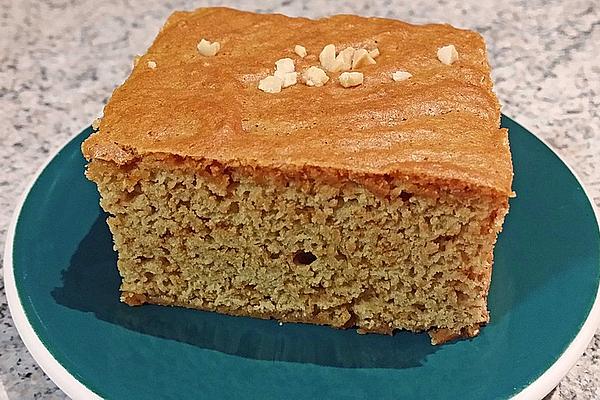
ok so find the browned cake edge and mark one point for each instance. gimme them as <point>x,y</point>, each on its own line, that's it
<point>442,122</point>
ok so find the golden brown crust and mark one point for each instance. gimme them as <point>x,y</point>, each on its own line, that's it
<point>443,123</point>
<point>443,335</point>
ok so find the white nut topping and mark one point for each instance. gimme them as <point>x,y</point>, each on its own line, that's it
<point>271,84</point>
<point>374,53</point>
<point>151,64</point>
<point>300,50</point>
<point>284,70</point>
<point>447,54</point>
<point>284,65</point>
<point>349,79</point>
<point>399,76</point>
<point>327,56</point>
<point>96,124</point>
<point>343,61</point>
<point>208,49</point>
<point>288,78</point>
<point>314,76</point>
<point>361,57</point>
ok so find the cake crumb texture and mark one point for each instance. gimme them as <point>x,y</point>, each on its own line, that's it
<point>348,251</point>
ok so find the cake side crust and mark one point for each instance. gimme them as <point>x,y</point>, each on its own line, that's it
<point>220,239</point>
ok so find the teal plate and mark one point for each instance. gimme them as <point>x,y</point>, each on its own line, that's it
<point>62,286</point>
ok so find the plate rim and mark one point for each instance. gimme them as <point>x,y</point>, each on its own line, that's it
<point>75,389</point>
<point>58,374</point>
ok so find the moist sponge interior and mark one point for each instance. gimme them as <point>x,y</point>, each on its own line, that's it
<point>378,253</point>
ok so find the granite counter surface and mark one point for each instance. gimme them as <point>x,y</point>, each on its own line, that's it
<point>60,60</point>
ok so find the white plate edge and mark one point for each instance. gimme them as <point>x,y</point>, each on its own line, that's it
<point>51,367</point>
<point>550,379</point>
<point>539,388</point>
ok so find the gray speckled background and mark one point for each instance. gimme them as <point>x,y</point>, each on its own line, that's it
<point>60,60</point>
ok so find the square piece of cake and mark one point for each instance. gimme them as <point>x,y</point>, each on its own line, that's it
<point>345,171</point>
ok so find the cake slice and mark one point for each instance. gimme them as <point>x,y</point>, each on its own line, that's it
<point>370,200</point>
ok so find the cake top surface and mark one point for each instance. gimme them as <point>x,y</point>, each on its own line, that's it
<point>442,123</point>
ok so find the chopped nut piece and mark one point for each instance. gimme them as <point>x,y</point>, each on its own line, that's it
<point>315,76</point>
<point>284,65</point>
<point>284,70</point>
<point>399,76</point>
<point>447,54</point>
<point>374,53</point>
<point>288,78</point>
<point>96,124</point>
<point>343,61</point>
<point>271,84</point>
<point>151,64</point>
<point>349,79</point>
<point>327,56</point>
<point>300,50</point>
<point>361,57</point>
<point>208,49</point>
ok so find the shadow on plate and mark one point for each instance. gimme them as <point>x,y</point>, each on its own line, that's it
<point>91,284</point>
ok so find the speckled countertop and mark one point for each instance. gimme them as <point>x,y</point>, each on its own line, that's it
<point>60,60</point>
